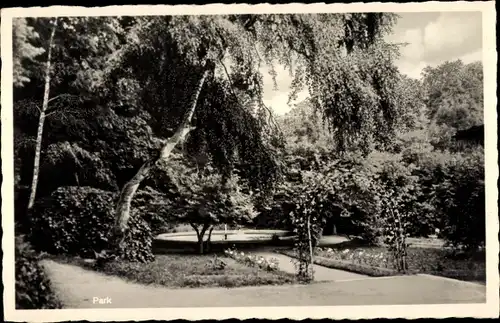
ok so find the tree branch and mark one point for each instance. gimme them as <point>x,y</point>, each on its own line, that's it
<point>54,110</point>
<point>271,118</point>
<point>56,97</point>
<point>195,229</point>
<point>51,112</point>
<point>204,229</point>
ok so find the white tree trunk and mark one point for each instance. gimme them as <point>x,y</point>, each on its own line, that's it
<point>41,121</point>
<point>122,211</point>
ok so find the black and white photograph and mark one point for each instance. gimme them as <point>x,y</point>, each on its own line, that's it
<point>306,160</point>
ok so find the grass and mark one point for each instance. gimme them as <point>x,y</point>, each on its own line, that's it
<point>177,271</point>
<point>375,261</point>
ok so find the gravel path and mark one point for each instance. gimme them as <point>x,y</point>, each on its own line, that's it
<point>77,288</point>
<point>320,273</point>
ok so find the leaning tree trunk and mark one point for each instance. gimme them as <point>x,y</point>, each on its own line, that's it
<point>122,211</point>
<point>41,121</point>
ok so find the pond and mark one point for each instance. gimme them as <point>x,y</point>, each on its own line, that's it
<point>221,236</point>
<point>242,239</point>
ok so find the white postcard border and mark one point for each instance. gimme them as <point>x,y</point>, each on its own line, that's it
<point>489,309</point>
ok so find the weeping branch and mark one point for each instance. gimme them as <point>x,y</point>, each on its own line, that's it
<point>271,119</point>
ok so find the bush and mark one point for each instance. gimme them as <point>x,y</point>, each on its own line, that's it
<point>76,221</point>
<point>33,289</point>
<point>461,201</point>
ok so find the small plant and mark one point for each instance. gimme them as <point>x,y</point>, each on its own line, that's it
<point>395,229</point>
<point>399,194</point>
<point>216,263</point>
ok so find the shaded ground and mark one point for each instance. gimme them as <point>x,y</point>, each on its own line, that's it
<point>77,287</point>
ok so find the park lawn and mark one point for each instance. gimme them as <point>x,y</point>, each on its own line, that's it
<point>177,271</point>
<point>434,261</point>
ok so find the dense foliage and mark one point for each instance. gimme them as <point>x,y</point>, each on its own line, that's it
<point>33,288</point>
<point>460,198</point>
<point>76,221</point>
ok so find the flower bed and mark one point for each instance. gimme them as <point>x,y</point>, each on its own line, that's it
<point>271,264</point>
<point>359,268</point>
<point>376,257</point>
<point>377,261</point>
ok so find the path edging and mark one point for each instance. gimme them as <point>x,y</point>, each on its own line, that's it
<point>349,267</point>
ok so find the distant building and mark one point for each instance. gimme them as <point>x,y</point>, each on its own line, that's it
<point>474,135</point>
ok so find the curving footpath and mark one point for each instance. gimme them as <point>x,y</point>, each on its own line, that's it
<point>320,273</point>
<point>78,287</point>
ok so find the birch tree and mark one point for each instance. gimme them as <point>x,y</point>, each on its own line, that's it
<point>73,46</point>
<point>41,120</point>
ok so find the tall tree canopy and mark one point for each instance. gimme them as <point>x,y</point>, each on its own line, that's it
<point>454,94</point>
<point>340,58</point>
<point>135,79</point>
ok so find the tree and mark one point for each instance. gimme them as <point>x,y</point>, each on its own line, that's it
<point>24,51</point>
<point>128,191</point>
<point>203,198</point>
<point>42,116</point>
<point>454,94</point>
<point>460,200</point>
<point>303,126</point>
<point>50,33</point>
<point>62,75</point>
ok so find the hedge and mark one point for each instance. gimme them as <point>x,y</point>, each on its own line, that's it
<point>75,221</point>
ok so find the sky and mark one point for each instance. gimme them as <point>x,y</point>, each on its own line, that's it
<point>432,37</point>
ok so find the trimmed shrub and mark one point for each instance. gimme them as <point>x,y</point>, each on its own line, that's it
<point>76,221</point>
<point>33,289</point>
